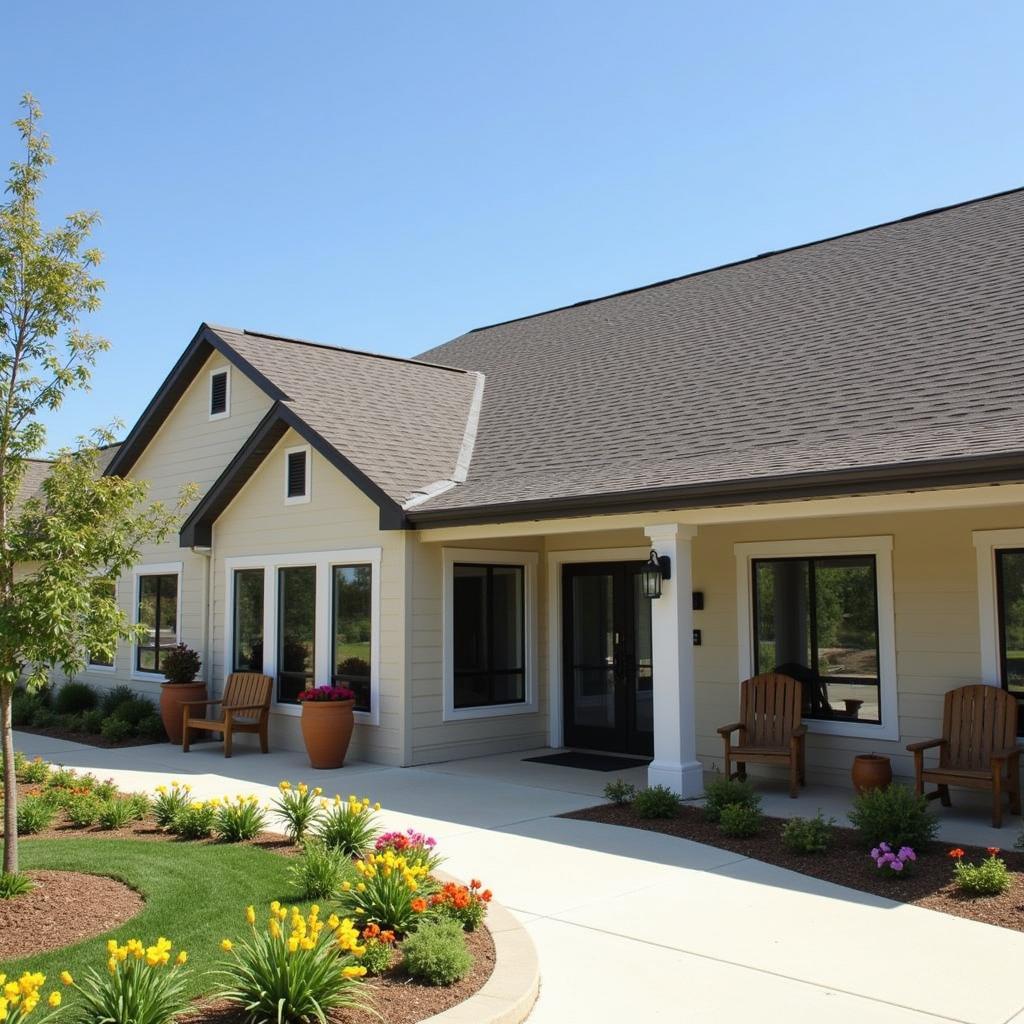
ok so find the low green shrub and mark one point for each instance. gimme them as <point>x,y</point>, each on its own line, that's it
<point>113,699</point>
<point>14,884</point>
<point>151,728</point>
<point>808,835</point>
<point>62,778</point>
<point>379,951</point>
<point>23,708</point>
<point>436,953</point>
<point>989,878</point>
<point>197,820</point>
<point>740,821</point>
<point>116,729</point>
<point>34,772</point>
<point>317,873</point>
<point>619,792</point>
<point>73,697</point>
<point>348,825</point>
<point>240,819</point>
<point>894,815</point>
<point>134,711</point>
<point>656,802</point>
<point>35,814</point>
<point>92,721</point>
<point>724,792</point>
<point>83,811</point>
<point>44,718</point>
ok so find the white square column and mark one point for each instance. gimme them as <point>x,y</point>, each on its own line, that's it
<point>675,761</point>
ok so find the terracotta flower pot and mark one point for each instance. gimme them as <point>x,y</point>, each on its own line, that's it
<point>172,696</point>
<point>327,731</point>
<point>871,771</point>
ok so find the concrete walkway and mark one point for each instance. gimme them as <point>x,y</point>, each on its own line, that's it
<point>632,925</point>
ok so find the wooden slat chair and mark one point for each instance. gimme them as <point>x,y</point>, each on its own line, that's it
<point>245,707</point>
<point>770,728</point>
<point>978,748</point>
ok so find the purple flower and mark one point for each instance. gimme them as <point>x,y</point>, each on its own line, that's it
<point>906,853</point>
<point>876,853</point>
<point>897,865</point>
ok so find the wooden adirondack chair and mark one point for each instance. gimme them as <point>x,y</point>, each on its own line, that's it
<point>770,728</point>
<point>245,707</point>
<point>978,748</point>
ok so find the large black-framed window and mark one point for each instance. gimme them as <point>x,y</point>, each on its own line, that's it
<point>1010,617</point>
<point>489,635</point>
<point>351,630</point>
<point>816,619</point>
<point>247,625</point>
<point>158,612</point>
<point>296,631</point>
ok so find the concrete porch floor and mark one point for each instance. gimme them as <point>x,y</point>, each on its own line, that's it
<point>630,924</point>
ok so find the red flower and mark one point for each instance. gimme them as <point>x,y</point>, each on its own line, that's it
<point>418,905</point>
<point>956,853</point>
<point>475,883</point>
<point>993,851</point>
<point>486,895</point>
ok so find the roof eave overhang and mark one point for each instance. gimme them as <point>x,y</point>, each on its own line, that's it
<point>960,472</point>
<point>197,530</point>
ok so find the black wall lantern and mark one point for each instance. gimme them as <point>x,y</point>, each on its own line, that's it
<point>656,569</point>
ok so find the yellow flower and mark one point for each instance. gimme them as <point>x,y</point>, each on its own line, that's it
<point>12,990</point>
<point>284,785</point>
<point>274,928</point>
<point>112,965</point>
<point>250,915</point>
<point>182,957</point>
<point>54,999</point>
<point>111,945</point>
<point>353,972</point>
<point>65,976</point>
<point>226,945</point>
<point>275,906</point>
<point>317,791</point>
<point>376,806</point>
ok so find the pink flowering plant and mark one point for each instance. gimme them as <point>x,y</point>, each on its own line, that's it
<point>893,862</point>
<point>414,846</point>
<point>320,693</point>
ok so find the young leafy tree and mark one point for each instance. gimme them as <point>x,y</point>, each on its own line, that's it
<point>61,547</point>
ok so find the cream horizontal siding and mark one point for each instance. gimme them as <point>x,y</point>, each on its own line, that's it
<point>189,447</point>
<point>338,516</point>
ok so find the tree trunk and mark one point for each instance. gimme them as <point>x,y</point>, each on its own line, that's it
<point>10,785</point>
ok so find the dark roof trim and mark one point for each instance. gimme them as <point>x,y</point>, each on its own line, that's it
<point>749,259</point>
<point>205,341</point>
<point>197,530</point>
<point>918,476</point>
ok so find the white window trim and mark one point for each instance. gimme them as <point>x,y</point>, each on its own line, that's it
<point>155,569</point>
<point>881,548</point>
<point>987,543</point>
<point>323,561</point>
<point>556,684</point>
<point>528,561</point>
<point>303,498</point>
<point>227,393</point>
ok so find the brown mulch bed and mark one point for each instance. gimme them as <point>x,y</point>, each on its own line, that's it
<point>91,739</point>
<point>396,997</point>
<point>928,884</point>
<point>64,908</point>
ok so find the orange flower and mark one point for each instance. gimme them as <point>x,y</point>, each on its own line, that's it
<point>475,883</point>
<point>387,938</point>
<point>993,851</point>
<point>486,895</point>
<point>418,905</point>
<point>956,853</point>
<point>371,931</point>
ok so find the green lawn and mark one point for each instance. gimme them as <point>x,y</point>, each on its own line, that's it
<point>195,895</point>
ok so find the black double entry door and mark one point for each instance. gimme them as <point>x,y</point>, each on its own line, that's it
<point>607,675</point>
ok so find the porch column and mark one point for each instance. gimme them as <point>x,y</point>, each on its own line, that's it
<point>675,761</point>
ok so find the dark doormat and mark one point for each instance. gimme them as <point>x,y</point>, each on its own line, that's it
<point>591,762</point>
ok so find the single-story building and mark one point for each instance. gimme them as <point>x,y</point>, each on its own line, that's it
<point>825,443</point>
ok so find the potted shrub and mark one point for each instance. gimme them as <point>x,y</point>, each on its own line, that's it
<point>327,724</point>
<point>180,666</point>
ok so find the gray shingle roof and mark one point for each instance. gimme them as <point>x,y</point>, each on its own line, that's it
<point>37,470</point>
<point>402,423</point>
<point>897,345</point>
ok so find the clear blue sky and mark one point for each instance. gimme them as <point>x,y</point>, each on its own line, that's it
<point>388,175</point>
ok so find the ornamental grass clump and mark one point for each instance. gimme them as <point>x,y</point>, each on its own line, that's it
<point>390,892</point>
<point>436,953</point>
<point>989,878</point>
<point>894,815</point>
<point>169,803</point>
<point>295,969</point>
<point>317,873</point>
<point>240,819</point>
<point>414,846</point>
<point>35,814</point>
<point>197,820</point>
<point>893,862</point>
<point>347,825</point>
<point>300,808</point>
<point>116,814</point>
<point>141,985</point>
<point>12,884</point>
<point>20,998</point>
<point>35,772</point>
<point>466,904</point>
